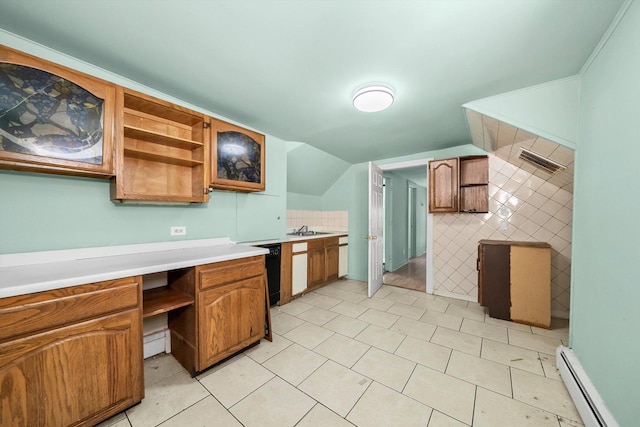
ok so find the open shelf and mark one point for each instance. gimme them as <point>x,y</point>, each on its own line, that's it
<point>158,138</point>
<point>158,157</point>
<point>162,151</point>
<point>161,300</point>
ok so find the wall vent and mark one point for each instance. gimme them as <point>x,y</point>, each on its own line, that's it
<point>540,161</point>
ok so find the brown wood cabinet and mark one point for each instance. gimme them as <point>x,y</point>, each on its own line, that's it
<point>322,265</point>
<point>71,356</point>
<point>459,184</point>
<point>316,263</point>
<point>228,315</point>
<point>443,185</point>
<point>514,281</point>
<point>161,151</point>
<point>73,134</point>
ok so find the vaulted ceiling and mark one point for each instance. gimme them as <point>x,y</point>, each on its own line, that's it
<point>289,68</point>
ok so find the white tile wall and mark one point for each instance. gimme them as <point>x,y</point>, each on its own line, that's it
<point>318,220</point>
<point>534,210</point>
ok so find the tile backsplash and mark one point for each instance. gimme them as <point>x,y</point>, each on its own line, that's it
<point>318,220</point>
<point>530,208</point>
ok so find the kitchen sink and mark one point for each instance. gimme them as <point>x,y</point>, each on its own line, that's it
<point>306,233</point>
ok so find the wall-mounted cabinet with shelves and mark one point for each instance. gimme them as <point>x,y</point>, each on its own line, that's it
<point>459,184</point>
<point>161,151</point>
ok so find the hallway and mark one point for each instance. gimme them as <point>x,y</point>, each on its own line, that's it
<point>413,275</point>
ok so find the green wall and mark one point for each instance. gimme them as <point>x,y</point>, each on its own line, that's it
<point>46,212</point>
<point>303,202</point>
<point>605,318</point>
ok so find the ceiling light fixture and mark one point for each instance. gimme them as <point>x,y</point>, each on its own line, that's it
<point>371,99</point>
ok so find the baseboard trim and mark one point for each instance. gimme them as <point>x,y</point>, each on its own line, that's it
<point>584,394</point>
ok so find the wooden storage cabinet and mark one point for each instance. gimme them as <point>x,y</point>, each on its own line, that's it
<point>71,356</point>
<point>73,134</point>
<point>514,281</point>
<point>443,185</point>
<point>228,315</point>
<point>459,184</point>
<point>316,262</point>
<point>332,259</point>
<point>161,151</point>
<point>231,317</point>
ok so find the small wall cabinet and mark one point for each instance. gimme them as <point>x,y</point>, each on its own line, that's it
<point>160,152</point>
<point>61,122</point>
<point>71,356</point>
<point>237,158</point>
<point>459,184</point>
<point>228,314</point>
<point>514,281</point>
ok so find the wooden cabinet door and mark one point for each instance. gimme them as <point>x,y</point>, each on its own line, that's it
<point>332,262</point>
<point>443,185</point>
<point>531,285</point>
<point>73,133</point>
<point>74,375</point>
<point>316,266</point>
<point>495,278</point>
<point>230,317</point>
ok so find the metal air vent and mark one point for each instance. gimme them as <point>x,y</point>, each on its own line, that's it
<point>541,162</point>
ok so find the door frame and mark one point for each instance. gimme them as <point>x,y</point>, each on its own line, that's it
<point>429,224</point>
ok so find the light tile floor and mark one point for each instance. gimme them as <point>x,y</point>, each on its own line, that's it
<point>401,358</point>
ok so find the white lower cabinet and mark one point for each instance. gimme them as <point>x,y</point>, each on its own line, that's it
<point>343,260</point>
<point>299,268</point>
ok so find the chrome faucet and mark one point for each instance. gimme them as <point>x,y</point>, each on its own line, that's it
<point>303,229</point>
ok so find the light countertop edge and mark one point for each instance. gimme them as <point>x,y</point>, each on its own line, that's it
<point>27,279</point>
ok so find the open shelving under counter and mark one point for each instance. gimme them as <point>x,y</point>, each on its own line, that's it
<point>161,300</point>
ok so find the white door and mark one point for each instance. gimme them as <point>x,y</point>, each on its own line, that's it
<point>374,237</point>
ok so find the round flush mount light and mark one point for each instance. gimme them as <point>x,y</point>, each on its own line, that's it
<point>371,99</point>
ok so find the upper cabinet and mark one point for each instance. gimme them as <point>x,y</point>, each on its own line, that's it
<point>459,184</point>
<point>443,185</point>
<point>53,119</point>
<point>237,158</point>
<point>161,151</point>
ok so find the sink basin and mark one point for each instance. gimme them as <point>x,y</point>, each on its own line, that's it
<point>306,233</point>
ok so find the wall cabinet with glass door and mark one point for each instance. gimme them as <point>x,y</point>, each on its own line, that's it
<point>54,119</point>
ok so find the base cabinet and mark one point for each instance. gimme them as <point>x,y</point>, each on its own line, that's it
<point>228,315</point>
<point>514,281</point>
<point>231,317</point>
<point>75,357</point>
<point>343,257</point>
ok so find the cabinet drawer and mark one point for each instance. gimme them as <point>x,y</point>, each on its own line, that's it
<point>29,313</point>
<point>315,243</point>
<point>344,240</point>
<point>217,274</point>
<point>299,247</point>
<point>331,241</point>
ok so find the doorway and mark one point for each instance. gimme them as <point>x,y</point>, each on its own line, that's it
<point>414,270</point>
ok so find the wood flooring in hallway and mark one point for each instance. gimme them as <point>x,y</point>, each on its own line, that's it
<point>413,275</point>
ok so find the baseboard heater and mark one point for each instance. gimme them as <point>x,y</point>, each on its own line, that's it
<point>588,402</point>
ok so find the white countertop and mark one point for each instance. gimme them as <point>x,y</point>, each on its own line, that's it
<point>61,269</point>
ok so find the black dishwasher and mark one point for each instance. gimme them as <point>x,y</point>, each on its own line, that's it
<point>272,263</point>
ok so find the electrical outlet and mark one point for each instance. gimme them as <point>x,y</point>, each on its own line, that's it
<point>179,230</point>
<point>504,225</point>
